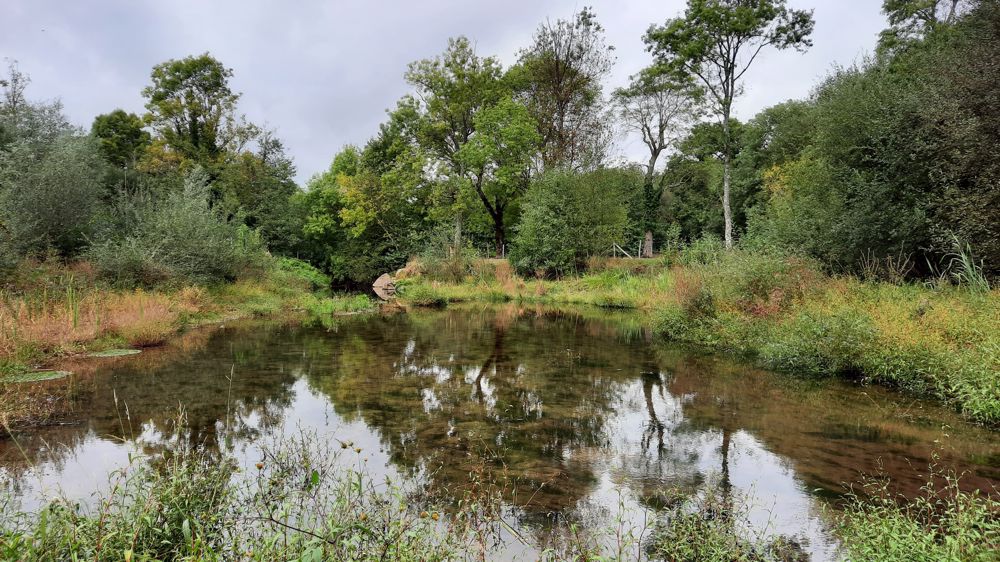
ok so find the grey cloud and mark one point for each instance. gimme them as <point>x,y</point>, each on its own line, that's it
<point>323,73</point>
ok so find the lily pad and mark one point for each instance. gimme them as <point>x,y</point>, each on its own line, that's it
<point>114,353</point>
<point>37,376</point>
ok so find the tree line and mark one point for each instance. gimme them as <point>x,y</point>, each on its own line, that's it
<point>888,165</point>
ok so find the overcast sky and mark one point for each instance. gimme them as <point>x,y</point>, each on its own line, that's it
<point>322,73</point>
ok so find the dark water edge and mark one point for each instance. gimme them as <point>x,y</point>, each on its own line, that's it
<point>585,415</point>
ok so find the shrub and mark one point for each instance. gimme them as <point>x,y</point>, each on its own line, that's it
<point>820,343</point>
<point>942,523</point>
<point>708,528</point>
<point>443,261</point>
<point>181,237</point>
<point>421,294</point>
<point>567,218</point>
<point>301,502</point>
<point>49,199</point>
<point>762,284</point>
<point>304,272</point>
<point>708,249</point>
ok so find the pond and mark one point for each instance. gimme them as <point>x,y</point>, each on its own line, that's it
<point>588,417</point>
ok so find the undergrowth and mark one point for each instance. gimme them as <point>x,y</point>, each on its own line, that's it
<point>942,524</point>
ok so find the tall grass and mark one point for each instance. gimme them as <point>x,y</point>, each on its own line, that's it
<point>940,341</point>
<point>52,309</point>
<point>38,323</point>
<point>301,501</point>
<point>308,498</point>
<point>964,269</point>
<point>713,527</point>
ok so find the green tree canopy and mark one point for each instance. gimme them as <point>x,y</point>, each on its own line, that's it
<point>121,137</point>
<point>558,78</point>
<point>716,42</point>
<point>191,106</point>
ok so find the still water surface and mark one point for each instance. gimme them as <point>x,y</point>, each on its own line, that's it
<point>590,418</point>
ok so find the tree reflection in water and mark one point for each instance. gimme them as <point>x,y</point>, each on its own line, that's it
<point>571,408</point>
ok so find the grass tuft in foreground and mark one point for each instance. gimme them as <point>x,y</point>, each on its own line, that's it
<point>309,499</point>
<point>942,524</point>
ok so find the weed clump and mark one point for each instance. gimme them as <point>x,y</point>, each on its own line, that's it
<point>942,523</point>
<point>422,294</point>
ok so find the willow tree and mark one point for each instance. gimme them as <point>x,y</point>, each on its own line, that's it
<point>191,107</point>
<point>498,158</point>
<point>715,43</point>
<point>910,20</point>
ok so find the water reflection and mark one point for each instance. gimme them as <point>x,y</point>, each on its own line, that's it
<point>579,413</point>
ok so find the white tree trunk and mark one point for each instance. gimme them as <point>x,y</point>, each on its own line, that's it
<point>727,213</point>
<point>457,242</point>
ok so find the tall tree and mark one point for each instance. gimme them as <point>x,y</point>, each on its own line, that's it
<point>121,137</point>
<point>451,90</point>
<point>49,200</point>
<point>191,106</point>
<point>559,79</point>
<point>34,123</point>
<point>661,110</point>
<point>13,101</point>
<point>716,42</point>
<point>913,19</point>
<point>498,157</point>
<point>258,186</point>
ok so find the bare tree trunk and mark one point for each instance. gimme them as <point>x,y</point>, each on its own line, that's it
<point>727,213</point>
<point>457,242</point>
<point>650,204</point>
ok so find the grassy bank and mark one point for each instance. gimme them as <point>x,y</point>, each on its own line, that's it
<point>939,339</point>
<point>51,311</point>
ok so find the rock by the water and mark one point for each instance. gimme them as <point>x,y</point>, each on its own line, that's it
<point>385,287</point>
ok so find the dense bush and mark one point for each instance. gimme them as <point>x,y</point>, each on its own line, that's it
<point>180,237</point>
<point>567,218</point>
<point>812,344</point>
<point>706,249</point>
<point>49,198</point>
<point>299,269</point>
<point>441,260</point>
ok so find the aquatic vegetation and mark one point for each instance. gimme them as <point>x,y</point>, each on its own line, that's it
<point>115,353</point>
<point>37,376</point>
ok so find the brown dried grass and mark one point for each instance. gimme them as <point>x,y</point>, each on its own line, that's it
<point>46,324</point>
